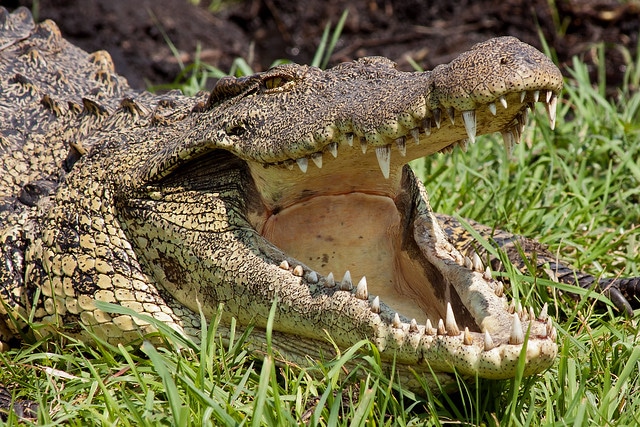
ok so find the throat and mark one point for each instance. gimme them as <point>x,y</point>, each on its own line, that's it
<point>357,232</point>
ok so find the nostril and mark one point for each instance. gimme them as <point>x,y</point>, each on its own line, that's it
<point>236,131</point>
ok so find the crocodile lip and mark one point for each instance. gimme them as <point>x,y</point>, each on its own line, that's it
<point>351,219</point>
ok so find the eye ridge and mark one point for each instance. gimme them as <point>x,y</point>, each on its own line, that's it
<point>229,87</point>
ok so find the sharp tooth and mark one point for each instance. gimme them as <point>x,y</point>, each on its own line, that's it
<point>396,322</point>
<point>284,265</point>
<point>492,108</point>
<point>346,284</point>
<point>333,149</point>
<point>487,274</point>
<point>302,164</point>
<point>349,138</point>
<point>522,118</point>
<point>330,282</point>
<point>451,112</point>
<point>468,263</point>
<point>441,330</point>
<point>464,145</point>
<point>413,326</point>
<point>401,143</point>
<point>551,110</point>
<point>429,329</point>
<point>522,121</point>
<point>384,159</point>
<point>532,314</point>
<point>516,134</point>
<point>508,139</point>
<point>553,335</point>
<point>415,133</point>
<point>289,164</point>
<point>298,271</point>
<point>361,290</point>
<point>488,342</point>
<point>450,322</point>
<point>477,263</point>
<point>522,95</point>
<point>549,325</point>
<point>517,334</point>
<point>544,313</point>
<point>469,117</point>
<point>375,305</point>
<point>548,95</point>
<point>467,339</point>
<point>437,114</point>
<point>503,101</point>
<point>536,95</point>
<point>459,259</point>
<point>312,277</point>
<point>363,144</point>
<point>426,125</point>
<point>499,291</point>
<point>317,159</point>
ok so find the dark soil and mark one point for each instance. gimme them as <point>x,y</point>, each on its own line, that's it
<point>136,32</point>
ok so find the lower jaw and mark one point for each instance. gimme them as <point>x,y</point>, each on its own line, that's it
<point>416,273</point>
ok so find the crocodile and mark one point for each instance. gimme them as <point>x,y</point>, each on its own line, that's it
<point>287,189</point>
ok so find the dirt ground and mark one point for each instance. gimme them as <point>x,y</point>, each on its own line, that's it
<point>136,33</point>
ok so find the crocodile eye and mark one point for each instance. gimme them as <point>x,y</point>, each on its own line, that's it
<point>274,82</point>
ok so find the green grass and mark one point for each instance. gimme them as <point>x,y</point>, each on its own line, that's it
<point>576,189</point>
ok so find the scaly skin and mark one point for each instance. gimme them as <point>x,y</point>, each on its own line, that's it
<point>260,191</point>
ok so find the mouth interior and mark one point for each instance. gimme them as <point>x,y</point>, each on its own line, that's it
<point>336,221</point>
<point>360,233</point>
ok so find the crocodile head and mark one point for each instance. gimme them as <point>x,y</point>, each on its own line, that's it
<point>315,206</point>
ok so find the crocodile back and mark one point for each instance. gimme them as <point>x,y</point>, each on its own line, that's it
<point>52,94</point>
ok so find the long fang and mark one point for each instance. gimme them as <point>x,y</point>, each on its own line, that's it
<point>384,159</point>
<point>469,117</point>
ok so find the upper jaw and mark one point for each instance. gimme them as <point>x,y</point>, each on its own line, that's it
<point>347,159</point>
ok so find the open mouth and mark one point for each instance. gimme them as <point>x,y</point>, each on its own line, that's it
<point>348,212</point>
